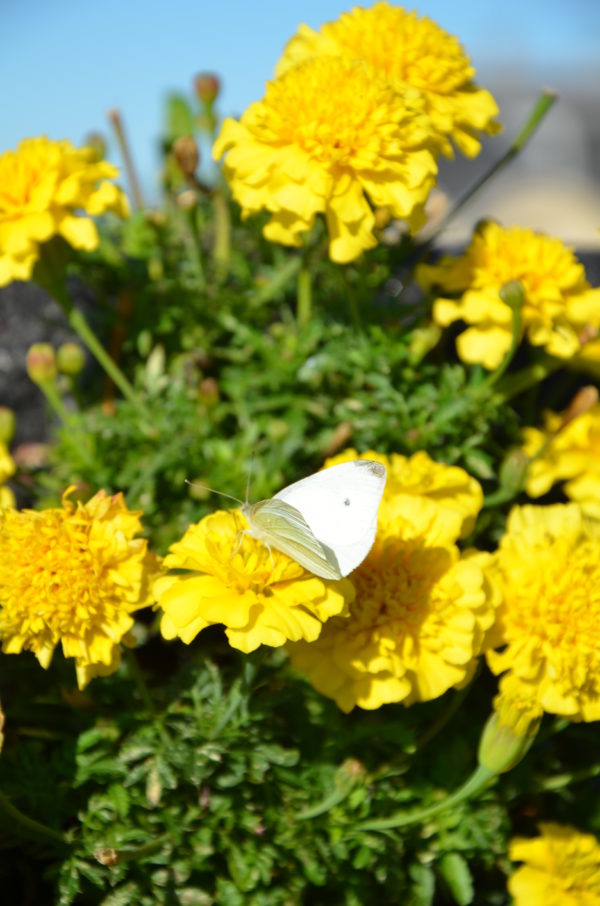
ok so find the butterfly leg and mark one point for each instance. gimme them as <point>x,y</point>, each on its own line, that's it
<point>238,542</point>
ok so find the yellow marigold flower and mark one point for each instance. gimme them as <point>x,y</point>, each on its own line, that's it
<point>261,597</point>
<point>562,868</point>
<point>72,575</point>
<point>329,137</point>
<point>450,487</point>
<point>571,454</point>
<point>419,620</point>
<point>512,727</point>
<point>549,621</point>
<point>408,50</point>
<point>43,184</point>
<point>558,306</point>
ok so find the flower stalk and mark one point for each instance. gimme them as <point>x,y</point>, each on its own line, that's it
<point>29,827</point>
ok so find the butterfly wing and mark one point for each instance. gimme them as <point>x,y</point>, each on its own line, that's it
<point>280,525</point>
<point>339,506</point>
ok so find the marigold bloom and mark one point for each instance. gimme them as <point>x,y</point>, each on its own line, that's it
<point>450,487</point>
<point>419,619</point>
<point>408,50</point>
<point>558,306</point>
<point>261,597</point>
<point>549,621</point>
<point>329,135</point>
<point>562,868</point>
<point>72,575</point>
<point>43,184</point>
<point>571,454</point>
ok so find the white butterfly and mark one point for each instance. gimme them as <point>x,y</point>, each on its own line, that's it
<point>326,522</point>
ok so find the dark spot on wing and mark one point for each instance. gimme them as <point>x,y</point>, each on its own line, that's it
<point>347,501</point>
<point>376,468</point>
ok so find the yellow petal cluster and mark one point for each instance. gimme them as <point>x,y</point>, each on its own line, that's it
<point>450,487</point>
<point>559,306</point>
<point>44,187</point>
<point>409,50</point>
<point>330,137</point>
<point>422,609</point>
<point>570,453</point>
<point>261,597</point>
<point>548,624</point>
<point>561,868</point>
<point>7,469</point>
<point>72,576</point>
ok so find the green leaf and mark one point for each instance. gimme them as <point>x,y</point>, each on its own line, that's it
<point>455,871</point>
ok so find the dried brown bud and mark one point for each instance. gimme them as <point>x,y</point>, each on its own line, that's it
<point>207,86</point>
<point>581,403</point>
<point>185,151</point>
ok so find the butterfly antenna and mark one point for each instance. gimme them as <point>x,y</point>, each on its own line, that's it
<point>249,476</point>
<point>205,487</point>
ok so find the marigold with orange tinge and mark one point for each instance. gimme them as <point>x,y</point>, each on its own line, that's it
<point>408,50</point>
<point>450,487</point>
<point>73,576</point>
<point>44,187</point>
<point>330,137</point>
<point>570,453</point>
<point>419,620</point>
<point>262,597</point>
<point>559,305</point>
<point>548,624</point>
<point>561,868</point>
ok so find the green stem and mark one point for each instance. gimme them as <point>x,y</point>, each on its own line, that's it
<point>140,683</point>
<point>279,281</point>
<point>138,852</point>
<point>542,105</point>
<point>304,300</point>
<point>352,300</point>
<point>116,121</point>
<point>54,399</point>
<point>446,715</point>
<point>197,252</point>
<point>29,827</point>
<point>502,495</point>
<point>222,241</point>
<point>81,327</point>
<point>478,780</point>
<point>525,379</point>
<point>337,795</point>
<point>517,319</point>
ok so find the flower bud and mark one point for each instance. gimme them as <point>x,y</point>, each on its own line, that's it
<point>95,141</point>
<point>187,200</point>
<point>511,729</point>
<point>512,294</point>
<point>513,470</point>
<point>41,363</point>
<point>7,424</point>
<point>70,358</point>
<point>584,400</point>
<point>185,152</point>
<point>208,391</point>
<point>207,86</point>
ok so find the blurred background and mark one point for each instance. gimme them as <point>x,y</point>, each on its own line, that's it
<point>68,62</point>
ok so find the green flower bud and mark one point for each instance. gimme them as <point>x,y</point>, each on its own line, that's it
<point>70,358</point>
<point>41,363</point>
<point>7,424</point>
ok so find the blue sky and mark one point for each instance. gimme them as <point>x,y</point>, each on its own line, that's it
<point>68,61</point>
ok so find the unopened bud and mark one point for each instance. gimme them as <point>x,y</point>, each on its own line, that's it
<point>277,429</point>
<point>7,424</point>
<point>41,363</point>
<point>584,400</point>
<point>70,358</point>
<point>95,141</point>
<point>185,152</point>
<point>512,294</point>
<point>513,471</point>
<point>208,391</point>
<point>510,731</point>
<point>207,86</point>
